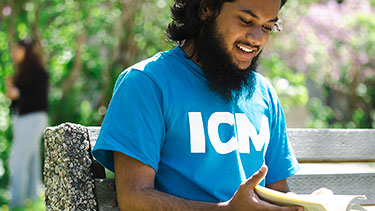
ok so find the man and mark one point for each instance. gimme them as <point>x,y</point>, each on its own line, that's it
<point>188,129</point>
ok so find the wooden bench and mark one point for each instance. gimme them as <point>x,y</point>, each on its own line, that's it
<point>342,160</point>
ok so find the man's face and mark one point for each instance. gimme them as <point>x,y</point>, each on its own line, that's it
<point>228,48</point>
<point>245,26</point>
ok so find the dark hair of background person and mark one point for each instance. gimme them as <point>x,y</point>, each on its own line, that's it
<point>186,22</point>
<point>31,79</point>
<point>31,61</point>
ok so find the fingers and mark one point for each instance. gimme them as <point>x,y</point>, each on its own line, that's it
<point>256,178</point>
<point>295,208</point>
<point>272,207</point>
<point>291,209</point>
<point>246,197</point>
<point>264,205</point>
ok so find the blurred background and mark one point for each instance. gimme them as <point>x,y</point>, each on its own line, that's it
<point>322,64</point>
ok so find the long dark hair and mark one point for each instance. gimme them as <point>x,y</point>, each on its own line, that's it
<point>186,22</point>
<point>30,63</point>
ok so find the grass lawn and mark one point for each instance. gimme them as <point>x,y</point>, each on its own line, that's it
<point>37,205</point>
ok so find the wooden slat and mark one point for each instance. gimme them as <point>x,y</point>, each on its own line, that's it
<point>333,144</point>
<point>337,168</point>
<point>320,144</point>
<point>93,134</point>
<point>97,169</point>
<point>346,184</point>
<point>106,196</point>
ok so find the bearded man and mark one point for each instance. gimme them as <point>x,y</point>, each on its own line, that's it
<point>196,127</point>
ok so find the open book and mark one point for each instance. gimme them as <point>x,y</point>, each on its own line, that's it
<point>323,202</point>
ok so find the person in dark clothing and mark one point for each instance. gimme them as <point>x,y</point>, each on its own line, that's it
<point>27,90</point>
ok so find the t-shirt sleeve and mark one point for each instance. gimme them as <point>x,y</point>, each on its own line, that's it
<point>280,157</point>
<point>134,123</point>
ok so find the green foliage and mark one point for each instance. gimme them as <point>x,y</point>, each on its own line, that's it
<point>288,83</point>
<point>6,69</point>
<point>333,46</point>
<point>5,137</point>
<point>86,44</point>
<point>319,114</point>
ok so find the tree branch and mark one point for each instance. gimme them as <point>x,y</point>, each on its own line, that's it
<point>77,65</point>
<point>36,36</point>
<point>67,86</point>
<point>10,20</point>
<point>124,50</point>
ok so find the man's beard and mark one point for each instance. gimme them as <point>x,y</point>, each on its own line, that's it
<point>223,75</point>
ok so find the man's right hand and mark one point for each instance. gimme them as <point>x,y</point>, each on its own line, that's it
<point>246,199</point>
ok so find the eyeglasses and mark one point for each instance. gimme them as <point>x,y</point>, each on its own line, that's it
<point>277,27</point>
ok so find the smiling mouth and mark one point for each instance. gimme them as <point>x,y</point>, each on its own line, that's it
<point>246,48</point>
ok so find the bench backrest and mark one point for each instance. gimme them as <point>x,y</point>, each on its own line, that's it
<point>74,179</point>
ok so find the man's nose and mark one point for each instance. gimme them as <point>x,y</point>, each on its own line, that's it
<point>255,35</point>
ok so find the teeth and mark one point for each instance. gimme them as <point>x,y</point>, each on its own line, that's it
<point>247,50</point>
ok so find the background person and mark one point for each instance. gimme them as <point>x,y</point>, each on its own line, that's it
<point>28,91</point>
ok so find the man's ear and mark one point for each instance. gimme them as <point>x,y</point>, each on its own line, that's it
<point>205,11</point>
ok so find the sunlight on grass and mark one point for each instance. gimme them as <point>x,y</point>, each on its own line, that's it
<point>37,205</point>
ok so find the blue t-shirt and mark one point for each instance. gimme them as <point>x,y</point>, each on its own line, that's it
<point>163,114</point>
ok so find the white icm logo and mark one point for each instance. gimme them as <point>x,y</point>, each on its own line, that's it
<point>245,132</point>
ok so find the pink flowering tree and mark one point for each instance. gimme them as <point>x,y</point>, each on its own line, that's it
<point>329,46</point>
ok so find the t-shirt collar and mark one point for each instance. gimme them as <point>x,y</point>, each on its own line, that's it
<point>185,58</point>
